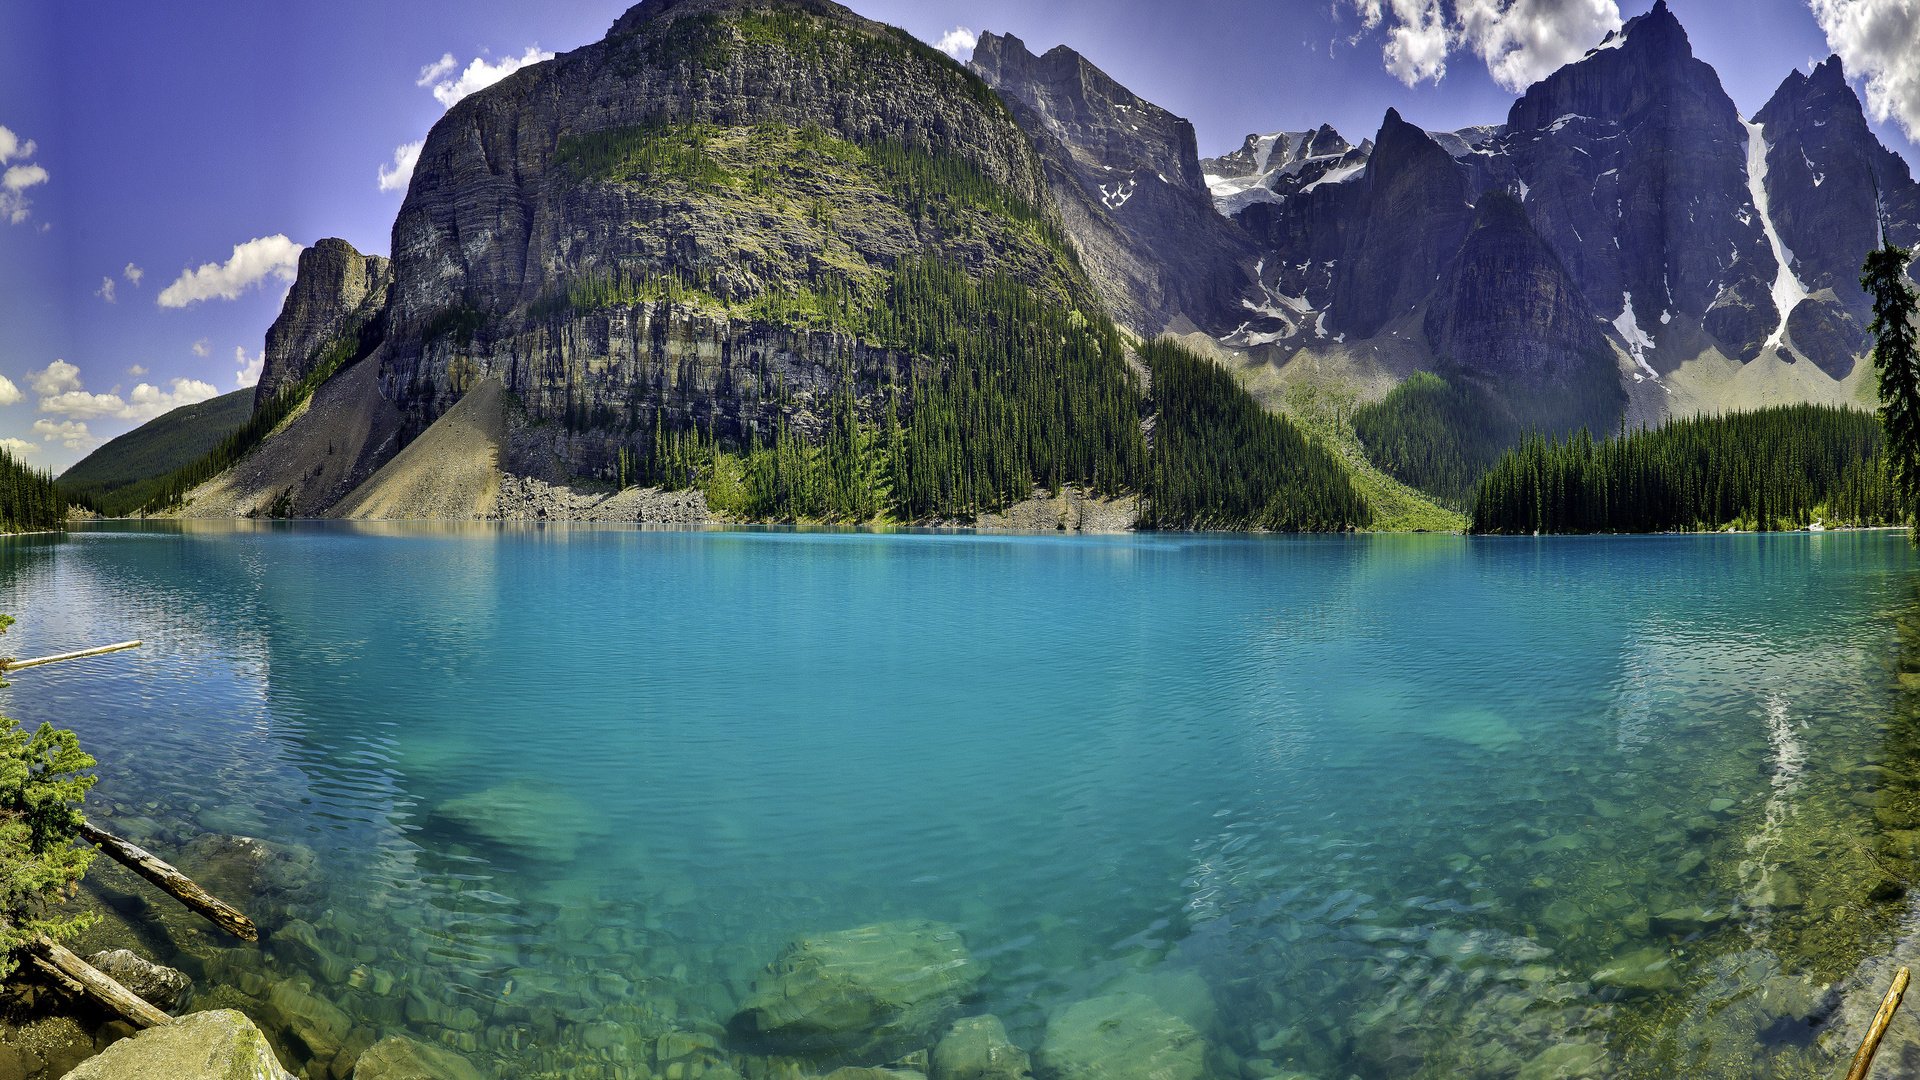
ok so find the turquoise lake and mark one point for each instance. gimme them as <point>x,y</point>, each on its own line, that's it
<point>1350,807</point>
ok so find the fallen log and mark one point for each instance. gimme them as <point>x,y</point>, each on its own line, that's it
<point>16,665</point>
<point>1863,1061</point>
<point>74,974</point>
<point>171,881</point>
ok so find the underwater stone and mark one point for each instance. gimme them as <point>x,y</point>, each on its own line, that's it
<point>320,1026</point>
<point>977,1048</point>
<point>873,993</point>
<point>1566,1061</point>
<point>1643,971</point>
<point>532,821</point>
<point>1121,1037</point>
<point>400,1058</point>
<point>1687,920</point>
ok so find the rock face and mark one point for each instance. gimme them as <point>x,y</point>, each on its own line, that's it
<point>1126,174</point>
<point>1121,1037</point>
<point>1684,228</point>
<point>871,994</point>
<point>337,290</point>
<point>1509,317</point>
<point>705,154</point>
<point>162,986</point>
<point>219,1045</point>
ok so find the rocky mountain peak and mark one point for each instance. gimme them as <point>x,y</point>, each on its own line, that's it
<point>640,15</point>
<point>1649,62</point>
<point>1126,174</point>
<point>335,290</point>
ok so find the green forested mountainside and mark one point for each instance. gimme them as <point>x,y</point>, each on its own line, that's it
<point>1778,468</point>
<point>1220,461</point>
<point>1435,435</point>
<point>1024,393</point>
<point>122,475</point>
<point>30,501</point>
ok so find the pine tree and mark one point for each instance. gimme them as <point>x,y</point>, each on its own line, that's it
<point>1885,279</point>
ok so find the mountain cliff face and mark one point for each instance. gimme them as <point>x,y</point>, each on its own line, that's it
<point>337,291</point>
<point>1126,175</point>
<point>1685,230</point>
<point>709,154</point>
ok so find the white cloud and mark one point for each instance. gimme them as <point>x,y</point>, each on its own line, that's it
<point>13,146</point>
<point>14,205</point>
<point>71,434</point>
<point>62,394</point>
<point>250,264</point>
<point>437,70</point>
<point>56,378</point>
<point>405,157</point>
<point>957,42</point>
<point>250,367</point>
<point>1521,41</point>
<point>9,393</point>
<point>203,347</point>
<point>137,370</point>
<point>1524,41</point>
<point>19,448</point>
<point>480,73</point>
<point>148,401</point>
<point>1880,41</point>
<point>106,290</point>
<point>133,273</point>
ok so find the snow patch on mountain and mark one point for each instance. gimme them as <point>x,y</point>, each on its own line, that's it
<point>1638,340</point>
<point>1787,289</point>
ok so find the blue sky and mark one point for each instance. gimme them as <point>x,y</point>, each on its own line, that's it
<point>165,136</point>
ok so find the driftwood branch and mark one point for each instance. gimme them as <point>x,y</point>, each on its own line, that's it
<point>16,665</point>
<point>97,984</point>
<point>171,881</point>
<point>1863,1061</point>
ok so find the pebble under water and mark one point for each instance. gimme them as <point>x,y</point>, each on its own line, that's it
<point>1341,807</point>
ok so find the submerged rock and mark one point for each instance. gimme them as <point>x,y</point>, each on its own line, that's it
<point>162,986</point>
<point>1643,971</point>
<point>397,1057</point>
<point>1121,1037</point>
<point>977,1048</point>
<point>233,867</point>
<point>219,1045</point>
<point>529,820</point>
<point>1566,1061</point>
<point>870,994</point>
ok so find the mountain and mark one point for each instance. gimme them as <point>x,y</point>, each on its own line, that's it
<point>781,254</point>
<point>126,472</point>
<point>1712,253</point>
<point>1126,175</point>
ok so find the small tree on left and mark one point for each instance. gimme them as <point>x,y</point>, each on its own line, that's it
<point>44,778</point>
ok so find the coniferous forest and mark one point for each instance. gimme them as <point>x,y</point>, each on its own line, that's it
<point>1779,468</point>
<point>29,500</point>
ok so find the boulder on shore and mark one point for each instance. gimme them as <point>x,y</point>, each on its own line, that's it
<point>218,1045</point>
<point>870,994</point>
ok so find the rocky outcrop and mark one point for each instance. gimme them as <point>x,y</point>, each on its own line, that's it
<point>219,1045</point>
<point>336,292</point>
<point>1509,317</point>
<point>1126,174</point>
<point>871,994</point>
<point>1413,212</point>
<point>526,197</point>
